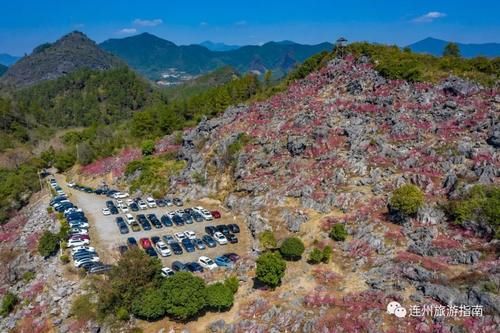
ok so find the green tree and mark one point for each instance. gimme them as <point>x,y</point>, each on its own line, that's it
<point>407,199</point>
<point>83,308</point>
<point>148,147</point>
<point>48,244</point>
<point>292,248</point>
<point>316,256</point>
<point>267,239</point>
<point>9,301</point>
<point>85,153</point>
<point>184,295</point>
<point>219,296</point>
<point>150,305</point>
<point>270,269</point>
<point>232,283</point>
<point>338,232</point>
<point>451,50</point>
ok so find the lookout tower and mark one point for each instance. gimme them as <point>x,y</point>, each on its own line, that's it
<point>340,45</point>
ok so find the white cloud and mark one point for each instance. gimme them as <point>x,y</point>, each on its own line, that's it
<point>148,23</point>
<point>242,22</point>
<point>127,31</point>
<point>203,24</point>
<point>429,17</point>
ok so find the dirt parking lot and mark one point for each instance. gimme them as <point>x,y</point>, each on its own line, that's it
<point>105,236</point>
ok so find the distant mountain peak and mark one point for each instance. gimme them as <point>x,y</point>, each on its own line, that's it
<point>435,46</point>
<point>49,61</point>
<point>221,47</point>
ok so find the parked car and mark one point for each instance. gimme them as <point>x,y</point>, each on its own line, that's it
<point>178,202</point>
<point>81,261</point>
<point>204,213</point>
<point>178,266</point>
<point>188,245</point>
<point>124,207</point>
<point>155,239</point>
<point>123,228</point>
<point>197,217</point>
<point>166,220</point>
<point>168,239</point>
<point>216,214</point>
<point>200,245</point>
<point>151,252</point>
<point>114,210</point>
<point>220,238</point>
<point>151,202</point>
<point>145,243</point>
<point>154,221</point>
<point>160,203</point>
<point>168,202</point>
<point>190,234</point>
<point>79,224</point>
<point>223,229</point>
<point>234,228</point>
<point>232,256</point>
<point>177,220</point>
<point>194,267</point>
<point>82,248</point>
<point>167,272</point>
<point>79,236</point>
<point>206,262</point>
<point>120,195</point>
<point>135,226</point>
<point>187,218</point>
<point>176,248</point>
<point>223,261</point>
<point>134,207</point>
<point>232,238</point>
<point>131,242</point>
<point>99,268</point>
<point>210,230</point>
<point>207,239</point>
<point>163,249</point>
<point>142,205</point>
<point>109,203</point>
<point>144,222</point>
<point>130,218</point>
<point>180,236</point>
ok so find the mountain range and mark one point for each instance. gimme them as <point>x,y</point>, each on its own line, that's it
<point>7,59</point>
<point>219,46</point>
<point>436,47</point>
<point>49,61</point>
<point>151,55</point>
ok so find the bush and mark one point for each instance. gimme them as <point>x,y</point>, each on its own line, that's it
<point>407,199</point>
<point>148,147</point>
<point>316,256</point>
<point>83,308</point>
<point>122,314</point>
<point>150,305</point>
<point>292,248</point>
<point>267,239</point>
<point>9,301</point>
<point>48,244</point>
<point>184,295</point>
<point>327,254</point>
<point>232,283</point>
<point>28,276</point>
<point>219,296</point>
<point>64,258</point>
<point>270,269</point>
<point>338,232</point>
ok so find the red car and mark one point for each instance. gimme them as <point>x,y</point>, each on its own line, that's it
<point>145,243</point>
<point>216,214</point>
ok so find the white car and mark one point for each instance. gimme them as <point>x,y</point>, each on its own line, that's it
<point>71,184</point>
<point>80,262</point>
<point>60,192</point>
<point>124,207</point>
<point>190,234</point>
<point>163,249</point>
<point>77,242</point>
<point>120,195</point>
<point>129,218</point>
<point>80,231</point>
<point>220,238</point>
<point>79,248</point>
<point>142,205</point>
<point>151,202</point>
<point>204,213</point>
<point>130,201</point>
<point>179,236</point>
<point>106,211</point>
<point>79,225</point>
<point>206,262</point>
<point>167,272</point>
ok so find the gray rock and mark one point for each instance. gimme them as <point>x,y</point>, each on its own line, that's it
<point>418,274</point>
<point>430,215</point>
<point>297,145</point>
<point>294,220</point>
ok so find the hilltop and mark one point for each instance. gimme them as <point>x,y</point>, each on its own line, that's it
<point>49,61</point>
<point>151,56</point>
<point>436,47</point>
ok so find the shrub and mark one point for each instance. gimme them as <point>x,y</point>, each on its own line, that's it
<point>9,301</point>
<point>327,254</point>
<point>232,283</point>
<point>148,147</point>
<point>48,244</point>
<point>199,178</point>
<point>184,295</point>
<point>122,314</point>
<point>316,256</point>
<point>219,296</point>
<point>150,305</point>
<point>267,239</point>
<point>407,199</point>
<point>338,232</point>
<point>270,269</point>
<point>50,210</point>
<point>292,248</point>
<point>83,308</point>
<point>28,276</point>
<point>64,258</point>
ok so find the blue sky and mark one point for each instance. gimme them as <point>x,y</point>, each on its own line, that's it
<point>27,23</point>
